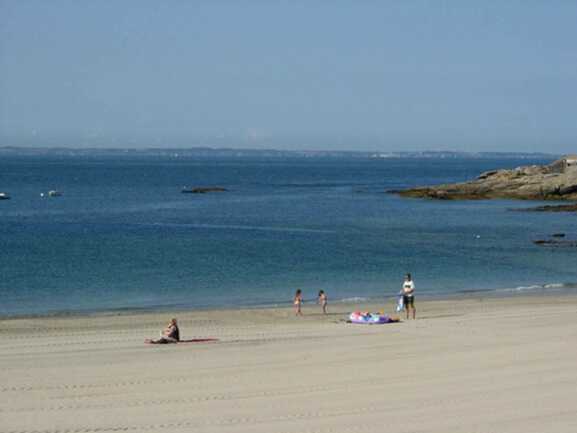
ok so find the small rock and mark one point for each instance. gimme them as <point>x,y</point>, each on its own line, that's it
<point>203,190</point>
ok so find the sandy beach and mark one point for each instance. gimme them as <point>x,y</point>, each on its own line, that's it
<point>467,365</point>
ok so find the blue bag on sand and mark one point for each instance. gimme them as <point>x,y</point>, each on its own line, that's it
<point>400,304</point>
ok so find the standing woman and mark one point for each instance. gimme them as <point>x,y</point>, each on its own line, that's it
<point>409,295</point>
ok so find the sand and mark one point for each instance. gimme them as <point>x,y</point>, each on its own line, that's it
<point>468,365</point>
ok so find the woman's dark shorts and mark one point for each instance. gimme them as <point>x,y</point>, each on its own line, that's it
<point>409,301</point>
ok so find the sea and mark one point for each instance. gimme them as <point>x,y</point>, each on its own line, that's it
<point>123,237</point>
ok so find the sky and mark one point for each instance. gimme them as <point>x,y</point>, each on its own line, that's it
<point>320,75</point>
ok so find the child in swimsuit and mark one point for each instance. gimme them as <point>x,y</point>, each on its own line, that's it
<point>322,300</point>
<point>298,300</point>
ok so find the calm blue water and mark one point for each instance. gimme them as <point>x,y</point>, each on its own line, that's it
<point>123,236</point>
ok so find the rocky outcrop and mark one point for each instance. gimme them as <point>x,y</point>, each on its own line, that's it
<point>549,208</point>
<point>555,243</point>
<point>556,181</point>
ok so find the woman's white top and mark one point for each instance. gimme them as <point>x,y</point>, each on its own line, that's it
<point>408,288</point>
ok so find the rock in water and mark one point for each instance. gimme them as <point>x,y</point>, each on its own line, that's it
<point>203,190</point>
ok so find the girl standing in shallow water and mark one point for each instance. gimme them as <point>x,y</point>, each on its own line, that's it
<point>322,300</point>
<point>298,301</point>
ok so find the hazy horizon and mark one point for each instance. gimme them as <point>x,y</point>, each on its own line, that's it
<point>290,75</point>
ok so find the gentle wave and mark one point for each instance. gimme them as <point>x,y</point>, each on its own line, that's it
<point>519,289</point>
<point>239,227</point>
<point>537,287</point>
<point>322,185</point>
<point>353,299</point>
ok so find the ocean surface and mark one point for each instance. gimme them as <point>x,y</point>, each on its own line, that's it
<point>123,236</point>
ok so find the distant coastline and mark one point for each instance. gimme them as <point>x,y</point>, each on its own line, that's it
<point>246,153</point>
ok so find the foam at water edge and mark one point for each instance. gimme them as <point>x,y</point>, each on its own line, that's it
<point>535,287</point>
<point>353,299</point>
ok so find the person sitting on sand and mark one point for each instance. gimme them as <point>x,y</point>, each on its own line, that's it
<point>170,334</point>
<point>298,301</point>
<point>322,300</point>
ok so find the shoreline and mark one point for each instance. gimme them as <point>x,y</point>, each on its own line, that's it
<point>310,309</point>
<point>383,302</point>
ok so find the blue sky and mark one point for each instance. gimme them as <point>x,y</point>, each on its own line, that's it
<point>356,75</point>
